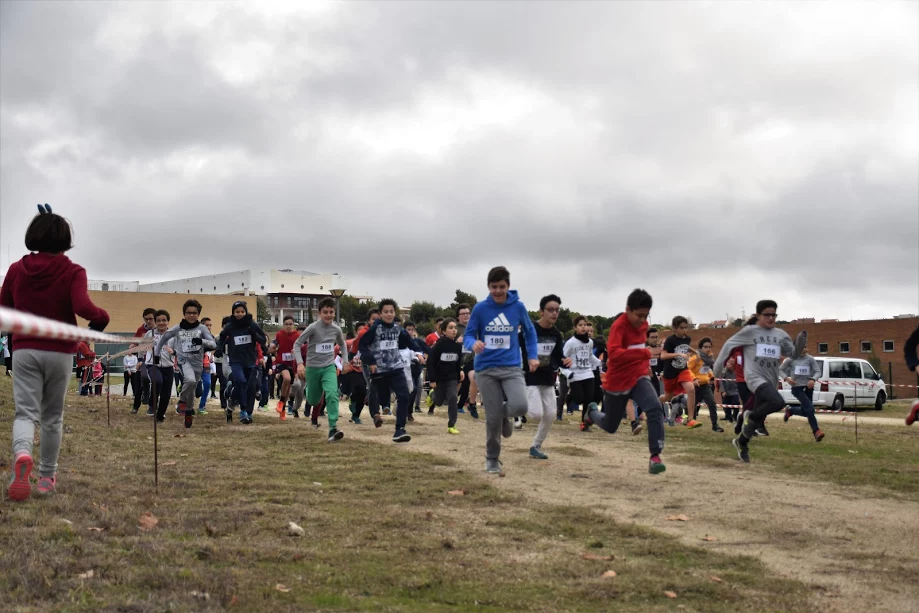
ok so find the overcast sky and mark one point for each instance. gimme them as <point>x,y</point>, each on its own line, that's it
<point>713,153</point>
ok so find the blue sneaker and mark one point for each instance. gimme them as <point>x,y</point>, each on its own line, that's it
<point>460,410</point>
<point>536,452</point>
<point>356,420</point>
<point>401,436</point>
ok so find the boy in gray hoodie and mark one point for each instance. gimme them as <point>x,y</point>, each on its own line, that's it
<point>192,340</point>
<point>321,338</point>
<point>763,345</point>
<point>801,374</point>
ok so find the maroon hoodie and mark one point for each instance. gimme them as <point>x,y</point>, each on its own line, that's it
<point>54,287</point>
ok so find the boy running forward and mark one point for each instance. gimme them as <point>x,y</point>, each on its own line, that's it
<point>492,335</point>
<point>380,350</point>
<point>320,370</point>
<point>627,377</point>
<point>193,341</point>
<point>285,361</point>
<point>801,374</point>
<point>241,339</point>
<point>160,376</point>
<point>912,362</point>
<point>541,382</point>
<point>580,350</point>
<point>469,391</point>
<point>763,347</point>
<point>700,365</point>
<point>445,370</point>
<point>677,377</point>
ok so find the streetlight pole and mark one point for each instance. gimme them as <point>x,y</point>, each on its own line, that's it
<point>337,294</point>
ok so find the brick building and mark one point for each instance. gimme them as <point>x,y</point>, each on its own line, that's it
<point>879,338</point>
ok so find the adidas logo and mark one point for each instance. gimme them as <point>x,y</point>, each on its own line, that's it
<point>499,324</point>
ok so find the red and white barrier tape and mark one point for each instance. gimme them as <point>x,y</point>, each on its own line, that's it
<point>17,322</point>
<point>140,347</point>
<point>846,383</point>
<point>816,410</point>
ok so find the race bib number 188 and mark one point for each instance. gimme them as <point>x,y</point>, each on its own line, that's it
<point>327,347</point>
<point>767,351</point>
<point>497,342</point>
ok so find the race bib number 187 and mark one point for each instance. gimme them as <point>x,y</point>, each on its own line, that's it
<point>767,351</point>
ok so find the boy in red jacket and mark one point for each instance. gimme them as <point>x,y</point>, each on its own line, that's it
<point>45,283</point>
<point>627,377</point>
<point>85,358</point>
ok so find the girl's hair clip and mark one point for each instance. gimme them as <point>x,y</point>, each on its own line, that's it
<point>44,210</point>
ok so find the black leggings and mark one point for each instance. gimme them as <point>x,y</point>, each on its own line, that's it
<point>581,392</point>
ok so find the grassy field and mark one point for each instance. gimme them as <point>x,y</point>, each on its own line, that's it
<point>383,532</point>
<point>884,459</point>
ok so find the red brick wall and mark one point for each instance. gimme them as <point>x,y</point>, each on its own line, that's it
<point>874,330</point>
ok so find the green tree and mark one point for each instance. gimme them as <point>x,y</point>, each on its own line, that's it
<point>460,298</point>
<point>350,309</point>
<point>423,311</point>
<point>261,309</point>
<point>737,323</point>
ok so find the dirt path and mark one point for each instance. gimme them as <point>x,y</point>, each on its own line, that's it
<point>851,549</point>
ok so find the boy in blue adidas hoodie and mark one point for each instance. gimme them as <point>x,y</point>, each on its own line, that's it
<point>492,334</point>
<point>380,353</point>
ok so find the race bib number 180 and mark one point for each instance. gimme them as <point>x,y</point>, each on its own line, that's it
<point>497,342</point>
<point>767,351</point>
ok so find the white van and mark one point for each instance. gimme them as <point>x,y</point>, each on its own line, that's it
<point>869,391</point>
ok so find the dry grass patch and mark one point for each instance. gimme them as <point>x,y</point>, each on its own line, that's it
<point>382,532</point>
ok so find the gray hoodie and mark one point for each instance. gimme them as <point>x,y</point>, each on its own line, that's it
<point>321,339</point>
<point>165,356</point>
<point>763,350</point>
<point>186,351</point>
<point>802,369</point>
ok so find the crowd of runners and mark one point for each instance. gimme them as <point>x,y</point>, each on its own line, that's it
<point>522,370</point>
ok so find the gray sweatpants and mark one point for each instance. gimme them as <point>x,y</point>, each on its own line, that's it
<point>191,374</point>
<point>494,384</point>
<point>39,388</point>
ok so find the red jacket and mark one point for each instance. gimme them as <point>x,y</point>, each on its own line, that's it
<point>629,357</point>
<point>286,342</point>
<point>85,355</point>
<point>54,287</point>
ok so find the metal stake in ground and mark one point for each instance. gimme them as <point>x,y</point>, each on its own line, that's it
<point>108,389</point>
<point>154,404</point>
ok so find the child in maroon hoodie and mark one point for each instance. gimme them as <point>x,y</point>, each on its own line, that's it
<point>47,284</point>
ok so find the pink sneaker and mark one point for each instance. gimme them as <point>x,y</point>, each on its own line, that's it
<point>913,414</point>
<point>20,487</point>
<point>46,485</point>
<point>678,420</point>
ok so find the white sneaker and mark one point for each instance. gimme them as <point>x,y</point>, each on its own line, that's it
<point>518,423</point>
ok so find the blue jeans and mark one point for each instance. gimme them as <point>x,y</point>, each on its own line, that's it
<point>244,383</point>
<point>806,409</point>
<point>206,386</point>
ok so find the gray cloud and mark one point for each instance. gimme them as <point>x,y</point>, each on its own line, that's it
<point>708,152</point>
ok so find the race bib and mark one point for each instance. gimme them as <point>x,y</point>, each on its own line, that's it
<point>767,351</point>
<point>582,358</point>
<point>653,361</point>
<point>287,357</point>
<point>545,349</point>
<point>448,357</point>
<point>740,360</point>
<point>493,342</point>
<point>384,345</point>
<point>803,370</point>
<point>244,339</point>
<point>329,347</point>
<point>638,346</point>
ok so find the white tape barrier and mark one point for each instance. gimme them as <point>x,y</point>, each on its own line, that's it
<point>17,322</point>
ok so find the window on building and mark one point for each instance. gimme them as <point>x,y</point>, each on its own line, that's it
<point>823,348</point>
<point>888,346</point>
<point>866,346</point>
<point>843,347</point>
